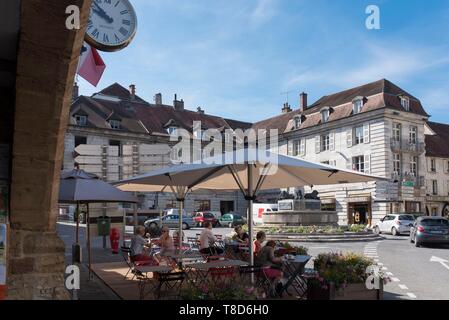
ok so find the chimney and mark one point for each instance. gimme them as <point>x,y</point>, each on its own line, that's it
<point>199,110</point>
<point>178,105</point>
<point>302,101</point>
<point>132,91</point>
<point>286,108</point>
<point>75,92</point>
<point>158,98</point>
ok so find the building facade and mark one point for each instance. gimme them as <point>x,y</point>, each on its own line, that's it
<point>377,128</point>
<point>116,134</point>
<point>437,169</point>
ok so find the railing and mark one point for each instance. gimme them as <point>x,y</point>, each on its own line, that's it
<point>403,146</point>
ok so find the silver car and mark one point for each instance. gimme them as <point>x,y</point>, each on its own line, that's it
<point>170,221</point>
<point>395,223</point>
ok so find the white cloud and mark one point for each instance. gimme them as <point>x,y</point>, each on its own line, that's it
<point>264,11</point>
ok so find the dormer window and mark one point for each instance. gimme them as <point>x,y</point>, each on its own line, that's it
<point>405,103</point>
<point>357,106</point>
<point>114,124</point>
<point>297,121</point>
<point>198,134</point>
<point>172,130</point>
<point>325,115</point>
<point>80,120</point>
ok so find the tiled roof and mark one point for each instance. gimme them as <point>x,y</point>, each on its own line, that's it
<point>437,145</point>
<point>138,116</point>
<point>379,94</point>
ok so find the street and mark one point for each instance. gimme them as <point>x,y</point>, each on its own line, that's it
<point>416,273</point>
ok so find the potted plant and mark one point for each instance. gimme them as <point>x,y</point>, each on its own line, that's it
<point>339,276</point>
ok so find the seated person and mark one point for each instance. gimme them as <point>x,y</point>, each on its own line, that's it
<point>260,238</point>
<point>140,248</point>
<point>165,242</point>
<point>266,258</point>
<point>207,241</point>
<point>241,236</point>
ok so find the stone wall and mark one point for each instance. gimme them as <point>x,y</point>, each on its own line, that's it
<point>46,65</point>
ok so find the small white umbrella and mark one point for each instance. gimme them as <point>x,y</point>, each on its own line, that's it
<point>247,170</point>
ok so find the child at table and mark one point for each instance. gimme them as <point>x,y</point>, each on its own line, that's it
<point>260,238</point>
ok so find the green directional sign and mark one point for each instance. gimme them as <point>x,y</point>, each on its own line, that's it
<point>408,184</point>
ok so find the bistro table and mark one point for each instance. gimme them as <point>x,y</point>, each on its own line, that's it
<point>201,270</point>
<point>181,257</point>
<point>144,279</point>
<point>294,268</point>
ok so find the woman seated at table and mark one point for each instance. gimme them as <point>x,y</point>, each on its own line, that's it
<point>260,238</point>
<point>266,258</point>
<point>165,242</point>
<point>207,241</point>
<point>140,248</point>
<point>241,236</point>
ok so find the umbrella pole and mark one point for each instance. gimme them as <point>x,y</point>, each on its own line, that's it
<point>88,241</point>
<point>77,217</point>
<point>181,207</point>
<point>250,198</point>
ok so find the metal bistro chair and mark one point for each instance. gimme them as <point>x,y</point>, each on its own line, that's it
<point>260,279</point>
<point>170,284</point>
<point>194,244</point>
<point>222,275</point>
<point>126,254</point>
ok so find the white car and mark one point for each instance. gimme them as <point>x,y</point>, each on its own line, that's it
<point>395,223</point>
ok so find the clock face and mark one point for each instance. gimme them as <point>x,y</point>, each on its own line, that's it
<point>112,24</point>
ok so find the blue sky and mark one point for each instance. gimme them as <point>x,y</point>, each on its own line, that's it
<point>235,58</point>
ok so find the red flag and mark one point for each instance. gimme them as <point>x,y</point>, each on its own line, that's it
<point>91,65</point>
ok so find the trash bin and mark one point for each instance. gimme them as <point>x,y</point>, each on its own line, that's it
<point>104,226</point>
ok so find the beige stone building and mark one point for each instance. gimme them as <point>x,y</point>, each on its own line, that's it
<point>116,134</point>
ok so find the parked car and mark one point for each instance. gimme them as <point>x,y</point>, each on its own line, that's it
<point>430,230</point>
<point>231,220</point>
<point>201,217</point>
<point>217,214</point>
<point>173,211</point>
<point>170,221</point>
<point>395,224</point>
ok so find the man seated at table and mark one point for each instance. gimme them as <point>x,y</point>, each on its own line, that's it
<point>140,248</point>
<point>273,265</point>
<point>207,241</point>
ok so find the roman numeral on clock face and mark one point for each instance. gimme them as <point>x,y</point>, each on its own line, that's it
<point>105,38</point>
<point>124,12</point>
<point>95,33</point>
<point>123,31</point>
<point>126,22</point>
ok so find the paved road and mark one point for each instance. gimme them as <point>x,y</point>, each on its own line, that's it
<point>415,275</point>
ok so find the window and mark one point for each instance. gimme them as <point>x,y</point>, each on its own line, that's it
<point>405,103</point>
<point>325,115</point>
<point>414,166</point>
<point>413,136</point>
<point>198,134</point>
<point>297,122</point>
<point>296,147</point>
<point>202,205</point>
<point>325,142</point>
<point>397,132</point>
<point>118,144</point>
<point>171,130</point>
<point>115,124</point>
<point>325,162</point>
<point>358,163</point>
<point>80,140</point>
<point>433,165</point>
<point>357,106</point>
<point>80,120</point>
<point>358,135</point>
<point>396,163</point>
<point>171,204</point>
<point>434,187</point>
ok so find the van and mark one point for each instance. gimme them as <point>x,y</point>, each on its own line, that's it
<point>260,208</point>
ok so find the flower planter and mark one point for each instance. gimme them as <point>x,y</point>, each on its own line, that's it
<point>356,291</point>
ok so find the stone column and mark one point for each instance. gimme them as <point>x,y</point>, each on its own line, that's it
<point>46,66</point>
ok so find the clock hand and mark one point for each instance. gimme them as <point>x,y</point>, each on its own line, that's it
<point>103,13</point>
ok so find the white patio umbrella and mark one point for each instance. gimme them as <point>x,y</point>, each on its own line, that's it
<point>247,170</point>
<point>81,187</point>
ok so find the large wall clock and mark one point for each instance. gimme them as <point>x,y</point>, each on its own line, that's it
<point>112,25</point>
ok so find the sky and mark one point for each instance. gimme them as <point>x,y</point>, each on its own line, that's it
<point>236,58</point>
